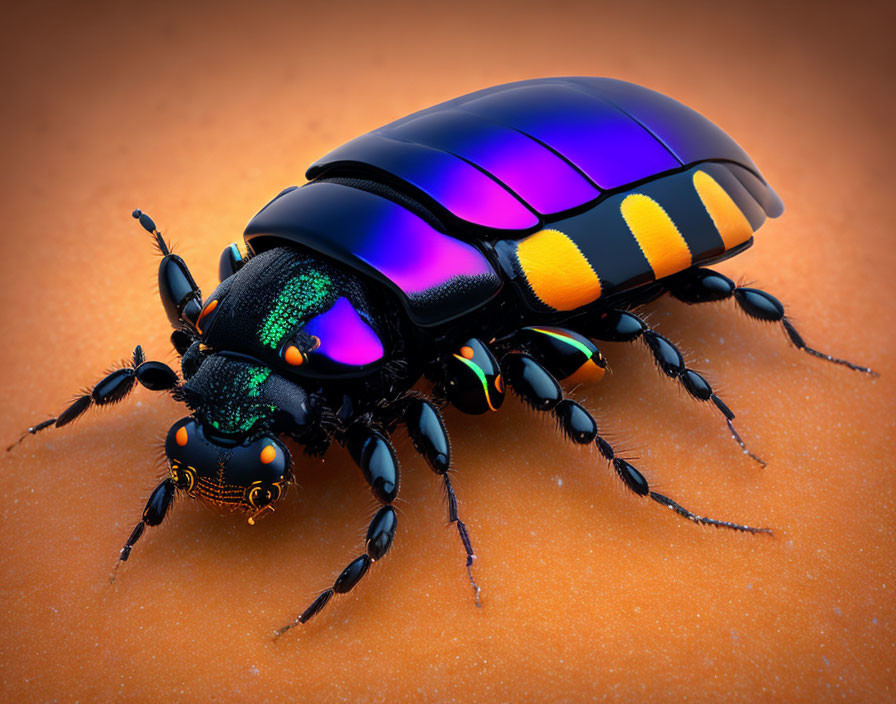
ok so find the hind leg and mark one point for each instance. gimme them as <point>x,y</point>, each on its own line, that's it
<point>541,391</point>
<point>624,326</point>
<point>705,285</point>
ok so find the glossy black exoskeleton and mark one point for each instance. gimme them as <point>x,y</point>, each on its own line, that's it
<point>483,244</point>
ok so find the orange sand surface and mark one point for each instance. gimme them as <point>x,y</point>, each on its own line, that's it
<point>198,116</point>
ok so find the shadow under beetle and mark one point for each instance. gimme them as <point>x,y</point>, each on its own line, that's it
<point>484,244</point>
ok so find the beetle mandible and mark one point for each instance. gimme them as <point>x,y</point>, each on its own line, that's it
<point>484,243</point>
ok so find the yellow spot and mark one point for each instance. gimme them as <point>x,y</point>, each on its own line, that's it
<point>293,356</point>
<point>557,270</point>
<point>181,437</point>
<point>729,220</point>
<point>659,239</point>
<point>268,454</point>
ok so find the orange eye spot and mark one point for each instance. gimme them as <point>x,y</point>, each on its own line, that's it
<point>499,384</point>
<point>467,352</point>
<point>181,437</point>
<point>268,454</point>
<point>293,356</point>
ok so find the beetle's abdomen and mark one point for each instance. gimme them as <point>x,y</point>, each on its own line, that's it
<point>635,237</point>
<point>516,156</point>
<point>576,181</point>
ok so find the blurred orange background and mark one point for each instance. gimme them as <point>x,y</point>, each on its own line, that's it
<point>200,114</point>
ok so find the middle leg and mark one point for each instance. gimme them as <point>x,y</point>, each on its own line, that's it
<point>624,326</point>
<point>427,431</point>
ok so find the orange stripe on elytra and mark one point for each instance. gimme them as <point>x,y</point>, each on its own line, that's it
<point>729,220</point>
<point>557,271</point>
<point>663,245</point>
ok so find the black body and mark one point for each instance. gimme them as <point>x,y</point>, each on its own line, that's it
<point>380,273</point>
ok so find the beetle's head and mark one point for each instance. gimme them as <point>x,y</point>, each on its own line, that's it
<point>231,474</point>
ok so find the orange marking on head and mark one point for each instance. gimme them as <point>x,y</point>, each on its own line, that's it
<point>293,356</point>
<point>729,220</point>
<point>181,437</point>
<point>268,454</point>
<point>467,352</point>
<point>557,271</point>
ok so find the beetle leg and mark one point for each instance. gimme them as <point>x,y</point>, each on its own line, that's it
<point>155,376</point>
<point>427,430</point>
<point>541,391</point>
<point>180,295</point>
<point>623,326</point>
<point>374,454</point>
<point>380,534</point>
<point>156,509</point>
<point>703,285</point>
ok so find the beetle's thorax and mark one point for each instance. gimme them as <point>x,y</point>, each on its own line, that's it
<point>282,341</point>
<point>299,315</point>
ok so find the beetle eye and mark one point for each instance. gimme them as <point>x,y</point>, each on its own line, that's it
<point>260,494</point>
<point>184,477</point>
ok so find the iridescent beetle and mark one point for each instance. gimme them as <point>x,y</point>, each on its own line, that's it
<point>482,243</point>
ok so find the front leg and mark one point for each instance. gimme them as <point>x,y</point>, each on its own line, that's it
<point>113,388</point>
<point>180,295</point>
<point>153,514</point>
<point>374,454</point>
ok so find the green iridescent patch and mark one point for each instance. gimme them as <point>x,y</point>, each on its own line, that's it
<point>238,412</point>
<point>257,376</point>
<point>301,294</point>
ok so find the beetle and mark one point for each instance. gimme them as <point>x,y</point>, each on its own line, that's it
<point>483,244</point>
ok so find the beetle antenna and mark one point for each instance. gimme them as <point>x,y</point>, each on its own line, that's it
<point>150,227</point>
<point>259,512</point>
